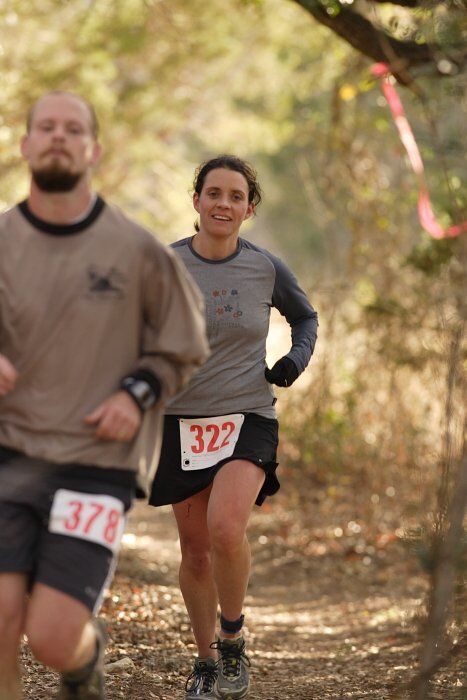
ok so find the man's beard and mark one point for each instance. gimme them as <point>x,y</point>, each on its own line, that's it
<point>55,179</point>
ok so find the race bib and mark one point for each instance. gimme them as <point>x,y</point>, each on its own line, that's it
<point>206,441</point>
<point>88,516</point>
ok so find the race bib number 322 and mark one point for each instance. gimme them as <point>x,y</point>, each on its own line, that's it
<point>206,441</point>
<point>87,516</point>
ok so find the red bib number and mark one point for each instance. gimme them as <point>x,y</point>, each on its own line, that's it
<point>88,516</point>
<point>206,441</point>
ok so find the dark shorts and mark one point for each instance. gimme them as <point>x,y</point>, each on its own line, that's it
<point>257,443</point>
<point>32,495</point>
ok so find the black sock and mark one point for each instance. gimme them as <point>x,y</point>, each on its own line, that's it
<point>232,626</point>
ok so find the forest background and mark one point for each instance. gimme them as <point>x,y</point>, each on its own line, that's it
<point>372,433</point>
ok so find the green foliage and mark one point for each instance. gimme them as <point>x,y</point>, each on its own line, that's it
<point>333,7</point>
<point>385,306</point>
<point>430,256</point>
<point>172,82</point>
<point>176,82</point>
<point>323,442</point>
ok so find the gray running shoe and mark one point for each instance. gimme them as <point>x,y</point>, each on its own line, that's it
<point>233,676</point>
<point>87,683</point>
<point>201,682</point>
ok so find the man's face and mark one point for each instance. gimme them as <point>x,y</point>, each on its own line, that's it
<point>60,147</point>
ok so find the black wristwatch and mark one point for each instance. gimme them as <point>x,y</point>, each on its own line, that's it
<point>140,391</point>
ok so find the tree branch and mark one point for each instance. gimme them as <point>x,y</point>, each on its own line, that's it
<point>402,3</point>
<point>360,33</point>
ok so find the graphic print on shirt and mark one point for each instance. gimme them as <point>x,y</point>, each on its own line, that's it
<point>105,284</point>
<point>223,309</point>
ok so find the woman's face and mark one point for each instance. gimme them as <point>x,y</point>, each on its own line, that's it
<point>223,203</point>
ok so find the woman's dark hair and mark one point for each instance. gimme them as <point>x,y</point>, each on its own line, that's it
<point>229,163</point>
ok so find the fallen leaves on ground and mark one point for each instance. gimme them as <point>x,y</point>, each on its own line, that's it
<point>332,612</point>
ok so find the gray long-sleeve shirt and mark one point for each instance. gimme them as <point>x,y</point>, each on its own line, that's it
<point>239,292</point>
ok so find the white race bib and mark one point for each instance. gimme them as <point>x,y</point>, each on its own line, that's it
<point>206,441</point>
<point>88,516</point>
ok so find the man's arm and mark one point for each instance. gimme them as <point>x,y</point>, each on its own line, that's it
<point>173,346</point>
<point>174,342</point>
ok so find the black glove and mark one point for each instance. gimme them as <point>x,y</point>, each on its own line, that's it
<point>284,372</point>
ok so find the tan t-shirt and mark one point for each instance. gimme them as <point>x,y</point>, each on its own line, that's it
<point>81,306</point>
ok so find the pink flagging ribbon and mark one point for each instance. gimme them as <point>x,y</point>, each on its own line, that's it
<point>425,212</point>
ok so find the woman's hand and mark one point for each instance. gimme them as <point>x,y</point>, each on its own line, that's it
<point>284,372</point>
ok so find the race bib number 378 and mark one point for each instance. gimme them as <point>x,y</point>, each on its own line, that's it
<point>87,516</point>
<point>206,441</point>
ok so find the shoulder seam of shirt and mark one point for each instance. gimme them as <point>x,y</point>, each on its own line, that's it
<point>180,243</point>
<point>247,245</point>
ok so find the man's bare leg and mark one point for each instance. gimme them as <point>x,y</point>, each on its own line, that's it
<point>12,615</point>
<point>59,630</point>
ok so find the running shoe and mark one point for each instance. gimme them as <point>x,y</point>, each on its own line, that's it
<point>233,675</point>
<point>91,687</point>
<point>201,682</point>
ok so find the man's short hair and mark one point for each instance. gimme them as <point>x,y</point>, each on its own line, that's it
<point>92,113</point>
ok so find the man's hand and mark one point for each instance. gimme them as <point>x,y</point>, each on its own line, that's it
<point>8,376</point>
<point>116,418</point>
<point>284,372</point>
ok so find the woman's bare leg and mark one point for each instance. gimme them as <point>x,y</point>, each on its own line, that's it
<point>196,575</point>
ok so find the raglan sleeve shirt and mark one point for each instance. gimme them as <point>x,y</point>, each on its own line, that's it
<point>239,292</point>
<point>291,301</point>
<point>171,303</point>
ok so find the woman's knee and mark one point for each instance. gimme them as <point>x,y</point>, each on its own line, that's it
<point>196,556</point>
<point>227,537</point>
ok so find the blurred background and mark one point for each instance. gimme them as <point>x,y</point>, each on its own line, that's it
<point>372,433</point>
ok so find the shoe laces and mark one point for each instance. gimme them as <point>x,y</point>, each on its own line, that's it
<point>202,677</point>
<point>232,655</point>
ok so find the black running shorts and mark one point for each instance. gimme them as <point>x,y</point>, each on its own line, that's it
<point>61,525</point>
<point>257,442</point>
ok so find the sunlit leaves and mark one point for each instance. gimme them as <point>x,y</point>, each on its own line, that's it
<point>171,83</point>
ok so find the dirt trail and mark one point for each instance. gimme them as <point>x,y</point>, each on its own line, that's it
<point>330,625</point>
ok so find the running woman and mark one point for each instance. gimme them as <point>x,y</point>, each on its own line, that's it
<point>218,455</point>
<point>99,325</point>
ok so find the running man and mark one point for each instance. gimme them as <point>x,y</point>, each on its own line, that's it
<point>99,325</point>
